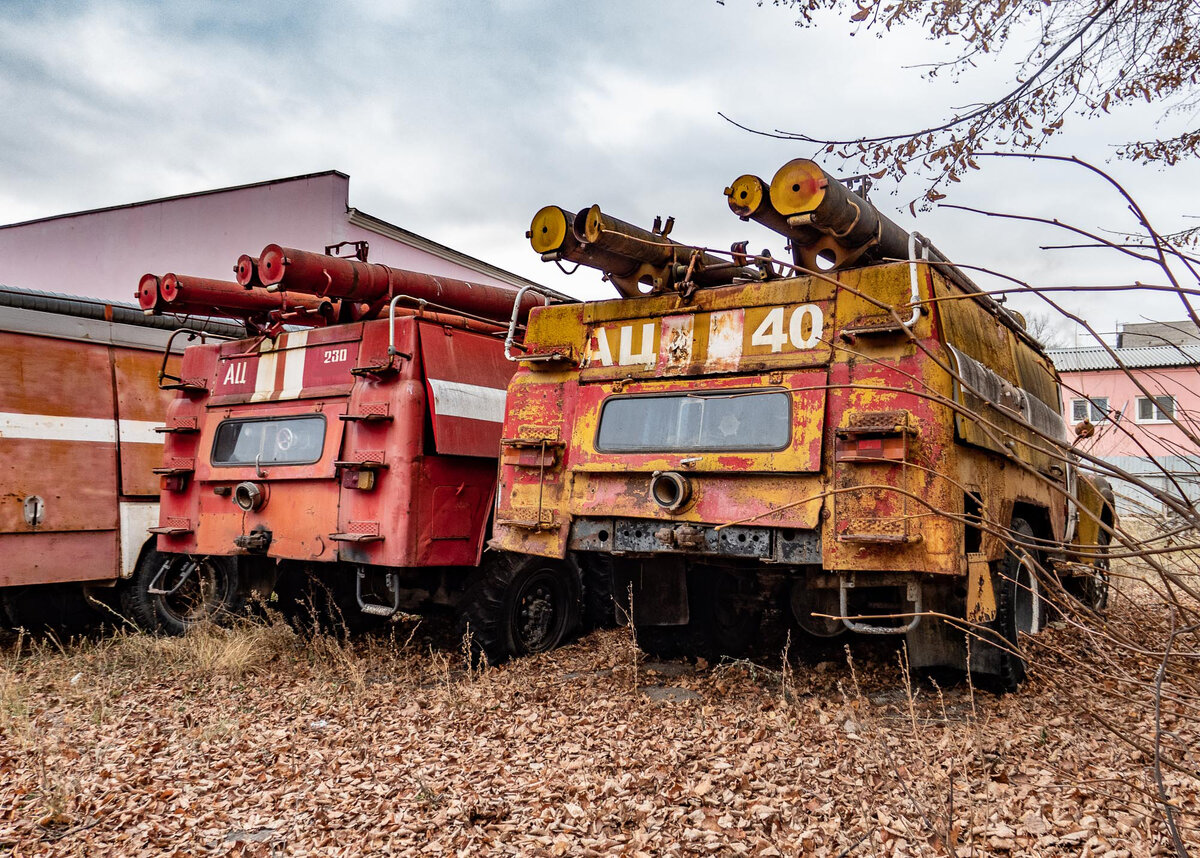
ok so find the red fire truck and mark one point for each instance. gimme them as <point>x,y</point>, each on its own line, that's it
<point>355,457</point>
<point>79,405</point>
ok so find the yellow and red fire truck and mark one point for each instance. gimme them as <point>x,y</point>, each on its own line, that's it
<point>861,435</point>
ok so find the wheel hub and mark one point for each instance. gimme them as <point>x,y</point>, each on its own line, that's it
<point>536,615</point>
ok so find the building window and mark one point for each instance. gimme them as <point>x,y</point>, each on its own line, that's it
<point>1160,409</point>
<point>1097,411</point>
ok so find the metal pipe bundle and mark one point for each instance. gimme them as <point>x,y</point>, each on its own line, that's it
<point>184,294</point>
<point>829,226</point>
<point>628,255</point>
<point>291,270</point>
<point>247,272</point>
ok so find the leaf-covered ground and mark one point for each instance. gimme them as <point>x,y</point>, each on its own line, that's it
<point>257,742</point>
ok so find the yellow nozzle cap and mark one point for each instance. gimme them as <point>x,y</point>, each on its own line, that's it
<point>746,194</point>
<point>798,187</point>
<point>549,229</point>
<point>593,225</point>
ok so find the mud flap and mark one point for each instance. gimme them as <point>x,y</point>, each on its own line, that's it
<point>981,592</point>
<point>659,590</point>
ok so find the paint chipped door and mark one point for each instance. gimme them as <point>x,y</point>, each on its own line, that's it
<point>466,377</point>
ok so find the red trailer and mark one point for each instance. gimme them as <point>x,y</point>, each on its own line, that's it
<point>360,454</point>
<point>79,405</point>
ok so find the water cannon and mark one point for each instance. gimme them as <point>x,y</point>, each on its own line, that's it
<point>827,225</point>
<point>246,271</point>
<point>186,295</point>
<point>629,256</point>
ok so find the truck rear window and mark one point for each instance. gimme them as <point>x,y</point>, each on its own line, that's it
<point>743,421</point>
<point>270,441</point>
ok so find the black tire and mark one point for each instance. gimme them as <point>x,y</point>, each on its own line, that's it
<point>517,605</point>
<point>719,623</point>
<point>198,590</point>
<point>1018,611</point>
<point>599,609</point>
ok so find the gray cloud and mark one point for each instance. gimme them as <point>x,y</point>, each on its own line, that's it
<point>459,120</point>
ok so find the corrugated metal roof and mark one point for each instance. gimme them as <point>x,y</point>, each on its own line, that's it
<point>1148,357</point>
<point>110,311</point>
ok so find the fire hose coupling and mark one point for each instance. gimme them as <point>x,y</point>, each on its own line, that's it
<point>671,490</point>
<point>250,496</point>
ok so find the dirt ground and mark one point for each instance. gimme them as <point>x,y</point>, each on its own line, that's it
<point>254,741</point>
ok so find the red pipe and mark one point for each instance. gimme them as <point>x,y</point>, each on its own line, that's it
<point>371,283</point>
<point>231,298</point>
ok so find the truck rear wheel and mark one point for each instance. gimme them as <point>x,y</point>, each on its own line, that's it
<point>1018,611</point>
<point>188,591</point>
<point>516,605</point>
<point>599,609</point>
<point>40,608</point>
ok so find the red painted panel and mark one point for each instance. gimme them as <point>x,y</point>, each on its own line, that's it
<point>54,558</point>
<point>328,364</point>
<point>141,405</point>
<point>39,375</point>
<point>77,480</point>
<point>455,499</point>
<point>236,375</point>
<point>466,375</point>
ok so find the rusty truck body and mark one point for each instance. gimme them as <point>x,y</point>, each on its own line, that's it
<point>875,444</point>
<point>350,446</point>
<point>79,405</point>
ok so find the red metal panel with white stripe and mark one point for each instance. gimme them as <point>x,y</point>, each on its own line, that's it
<point>58,435</point>
<point>466,376</point>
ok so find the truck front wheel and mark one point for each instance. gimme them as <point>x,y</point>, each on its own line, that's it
<point>170,593</point>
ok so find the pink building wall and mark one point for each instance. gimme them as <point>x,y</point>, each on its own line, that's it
<point>103,253</point>
<point>1128,436</point>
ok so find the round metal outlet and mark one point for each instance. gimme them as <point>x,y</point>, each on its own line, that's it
<point>671,490</point>
<point>249,496</point>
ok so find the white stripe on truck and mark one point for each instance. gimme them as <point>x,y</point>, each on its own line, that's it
<point>473,401</point>
<point>47,427</point>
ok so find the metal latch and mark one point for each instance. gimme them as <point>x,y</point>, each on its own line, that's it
<point>683,536</point>
<point>258,539</point>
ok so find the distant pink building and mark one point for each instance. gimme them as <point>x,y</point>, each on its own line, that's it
<point>1133,400</point>
<point>102,253</point>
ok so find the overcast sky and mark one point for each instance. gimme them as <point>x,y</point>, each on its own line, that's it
<point>458,120</point>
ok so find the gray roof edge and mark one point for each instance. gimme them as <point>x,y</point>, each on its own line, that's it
<point>173,198</point>
<point>390,230</point>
